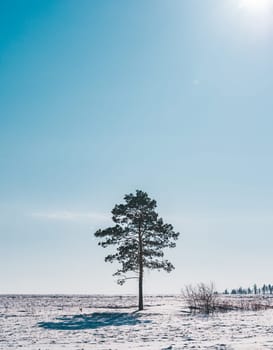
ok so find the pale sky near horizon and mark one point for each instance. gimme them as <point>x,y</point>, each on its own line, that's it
<point>100,98</point>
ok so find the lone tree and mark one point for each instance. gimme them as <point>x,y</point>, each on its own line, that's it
<point>140,237</point>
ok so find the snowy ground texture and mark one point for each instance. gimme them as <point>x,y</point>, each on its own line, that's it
<point>110,323</point>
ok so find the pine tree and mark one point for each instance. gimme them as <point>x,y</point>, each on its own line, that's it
<point>264,288</point>
<point>140,237</point>
<point>270,288</point>
<point>240,290</point>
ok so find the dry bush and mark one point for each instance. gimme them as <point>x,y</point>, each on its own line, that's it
<point>251,303</point>
<point>201,298</point>
<point>204,298</point>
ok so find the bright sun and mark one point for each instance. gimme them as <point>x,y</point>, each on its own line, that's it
<point>256,16</point>
<point>256,6</point>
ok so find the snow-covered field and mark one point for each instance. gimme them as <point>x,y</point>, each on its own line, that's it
<point>109,323</point>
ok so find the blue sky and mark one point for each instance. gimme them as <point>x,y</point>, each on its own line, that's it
<point>99,98</point>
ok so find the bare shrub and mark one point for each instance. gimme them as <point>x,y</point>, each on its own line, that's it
<point>201,298</point>
<point>204,298</point>
<point>250,303</point>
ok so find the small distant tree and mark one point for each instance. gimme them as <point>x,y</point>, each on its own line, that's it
<point>255,289</point>
<point>140,236</point>
<point>240,291</point>
<point>270,288</point>
<point>264,289</point>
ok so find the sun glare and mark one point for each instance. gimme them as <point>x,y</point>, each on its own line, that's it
<point>256,16</point>
<point>256,6</point>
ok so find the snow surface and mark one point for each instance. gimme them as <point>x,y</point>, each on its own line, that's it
<point>110,323</point>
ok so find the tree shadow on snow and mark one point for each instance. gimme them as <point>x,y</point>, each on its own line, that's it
<point>95,320</point>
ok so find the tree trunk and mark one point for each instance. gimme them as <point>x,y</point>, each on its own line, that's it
<point>140,276</point>
<point>140,291</point>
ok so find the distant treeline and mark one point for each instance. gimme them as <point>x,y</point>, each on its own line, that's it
<point>265,289</point>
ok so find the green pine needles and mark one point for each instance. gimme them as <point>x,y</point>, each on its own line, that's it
<point>140,237</point>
